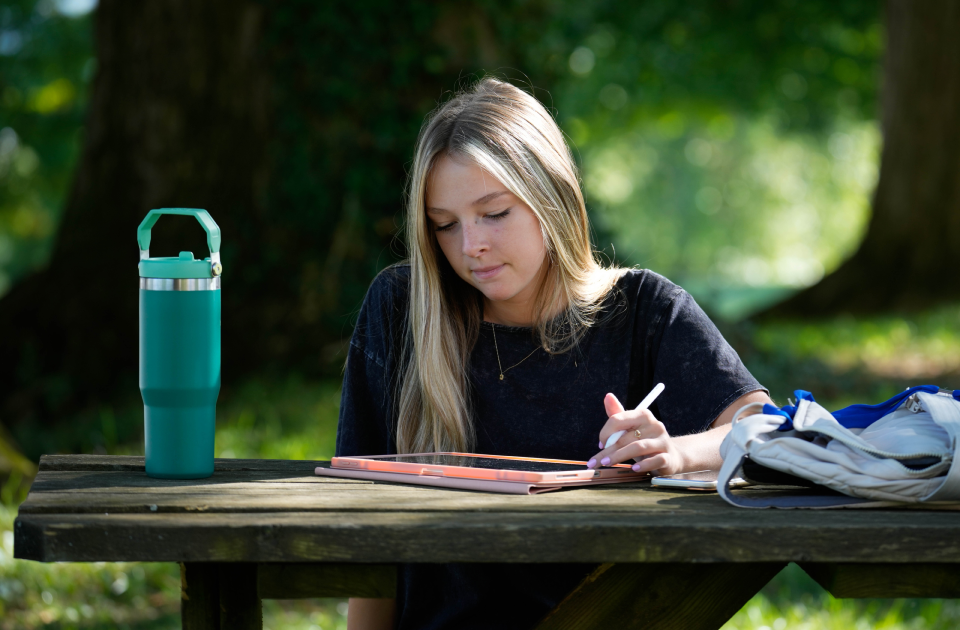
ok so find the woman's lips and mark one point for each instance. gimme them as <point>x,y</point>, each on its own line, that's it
<point>485,273</point>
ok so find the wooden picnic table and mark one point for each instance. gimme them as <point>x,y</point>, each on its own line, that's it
<point>272,529</point>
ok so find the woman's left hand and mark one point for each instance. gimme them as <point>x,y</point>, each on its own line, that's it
<point>654,450</point>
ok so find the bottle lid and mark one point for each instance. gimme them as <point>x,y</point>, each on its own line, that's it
<point>183,266</point>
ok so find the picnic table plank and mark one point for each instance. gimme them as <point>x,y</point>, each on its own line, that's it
<point>298,580</point>
<point>131,463</point>
<point>449,536</point>
<point>60,492</point>
<point>657,597</point>
<point>271,528</point>
<point>886,579</point>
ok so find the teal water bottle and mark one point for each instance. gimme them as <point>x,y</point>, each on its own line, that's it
<point>179,352</point>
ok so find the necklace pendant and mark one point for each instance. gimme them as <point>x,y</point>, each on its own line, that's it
<point>501,377</point>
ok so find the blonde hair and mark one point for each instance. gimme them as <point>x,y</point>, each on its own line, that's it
<point>509,134</point>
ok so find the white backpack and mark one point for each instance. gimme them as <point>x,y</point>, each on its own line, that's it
<point>902,450</point>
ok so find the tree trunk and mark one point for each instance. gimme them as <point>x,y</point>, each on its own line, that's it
<point>911,252</point>
<point>177,118</point>
<point>291,122</point>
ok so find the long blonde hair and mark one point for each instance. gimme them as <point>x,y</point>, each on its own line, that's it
<point>509,134</point>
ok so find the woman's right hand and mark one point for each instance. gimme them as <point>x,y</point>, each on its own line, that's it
<point>654,451</point>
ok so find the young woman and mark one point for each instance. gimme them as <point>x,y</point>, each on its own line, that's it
<point>502,334</point>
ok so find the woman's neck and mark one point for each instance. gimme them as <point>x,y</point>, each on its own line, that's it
<point>523,315</point>
<point>504,315</point>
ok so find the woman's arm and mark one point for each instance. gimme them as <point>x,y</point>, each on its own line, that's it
<point>364,613</point>
<point>656,450</point>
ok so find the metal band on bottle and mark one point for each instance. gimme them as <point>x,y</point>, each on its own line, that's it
<point>180,284</point>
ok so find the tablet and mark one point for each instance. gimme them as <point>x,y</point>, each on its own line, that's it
<point>493,467</point>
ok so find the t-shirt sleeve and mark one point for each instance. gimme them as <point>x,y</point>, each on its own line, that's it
<point>703,374</point>
<point>367,411</point>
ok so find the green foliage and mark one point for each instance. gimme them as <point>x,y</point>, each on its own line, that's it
<point>806,62</point>
<point>688,118</point>
<point>84,595</point>
<point>46,64</point>
<point>743,205</point>
<point>723,164</point>
<point>292,419</point>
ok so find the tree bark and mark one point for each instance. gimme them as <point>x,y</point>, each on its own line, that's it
<point>909,257</point>
<point>178,117</point>
<point>291,122</point>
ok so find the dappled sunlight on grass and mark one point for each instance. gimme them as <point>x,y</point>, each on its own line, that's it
<point>305,614</point>
<point>793,601</point>
<point>84,595</point>
<point>849,360</point>
<point>131,595</point>
<point>915,347</point>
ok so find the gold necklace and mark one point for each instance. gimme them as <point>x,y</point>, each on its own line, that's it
<point>493,328</point>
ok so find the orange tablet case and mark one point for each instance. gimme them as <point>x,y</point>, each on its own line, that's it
<point>578,471</point>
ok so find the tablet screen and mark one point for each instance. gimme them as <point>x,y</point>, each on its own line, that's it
<point>482,462</point>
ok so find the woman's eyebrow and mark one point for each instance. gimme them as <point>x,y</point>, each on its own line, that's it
<point>479,202</point>
<point>490,197</point>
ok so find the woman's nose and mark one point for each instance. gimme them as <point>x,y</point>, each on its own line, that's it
<point>474,240</point>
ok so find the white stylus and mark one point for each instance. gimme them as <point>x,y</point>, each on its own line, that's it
<point>644,404</point>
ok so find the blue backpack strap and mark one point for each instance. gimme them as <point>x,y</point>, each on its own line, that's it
<point>854,416</point>
<point>862,416</point>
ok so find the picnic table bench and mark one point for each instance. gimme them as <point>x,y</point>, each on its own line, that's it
<point>272,529</point>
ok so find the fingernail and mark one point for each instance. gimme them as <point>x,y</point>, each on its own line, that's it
<point>592,462</point>
<point>605,461</point>
<point>600,444</point>
<point>636,467</point>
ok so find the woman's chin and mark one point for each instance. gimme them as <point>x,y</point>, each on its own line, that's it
<point>501,296</point>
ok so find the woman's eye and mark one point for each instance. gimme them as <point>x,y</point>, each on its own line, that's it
<point>499,215</point>
<point>444,228</point>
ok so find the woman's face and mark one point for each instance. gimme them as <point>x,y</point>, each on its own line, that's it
<point>490,237</point>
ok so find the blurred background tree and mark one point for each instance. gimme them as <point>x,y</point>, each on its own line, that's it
<point>707,133</point>
<point>912,245</point>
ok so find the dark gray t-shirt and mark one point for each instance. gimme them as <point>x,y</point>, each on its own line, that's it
<point>651,331</point>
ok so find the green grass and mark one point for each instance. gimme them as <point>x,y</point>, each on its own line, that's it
<point>84,595</point>
<point>840,361</point>
<point>793,600</point>
<point>289,419</point>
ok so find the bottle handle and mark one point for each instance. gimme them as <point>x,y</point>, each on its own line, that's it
<point>209,226</point>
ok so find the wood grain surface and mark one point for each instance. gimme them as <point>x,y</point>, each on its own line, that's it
<point>658,597</point>
<point>887,580</point>
<point>104,508</point>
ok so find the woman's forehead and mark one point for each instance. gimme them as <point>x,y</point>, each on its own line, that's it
<point>459,183</point>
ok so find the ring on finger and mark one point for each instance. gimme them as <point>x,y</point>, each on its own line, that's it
<point>637,433</point>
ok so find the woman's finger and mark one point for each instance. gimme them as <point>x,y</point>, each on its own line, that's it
<point>612,405</point>
<point>618,454</point>
<point>652,464</point>
<point>629,422</point>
